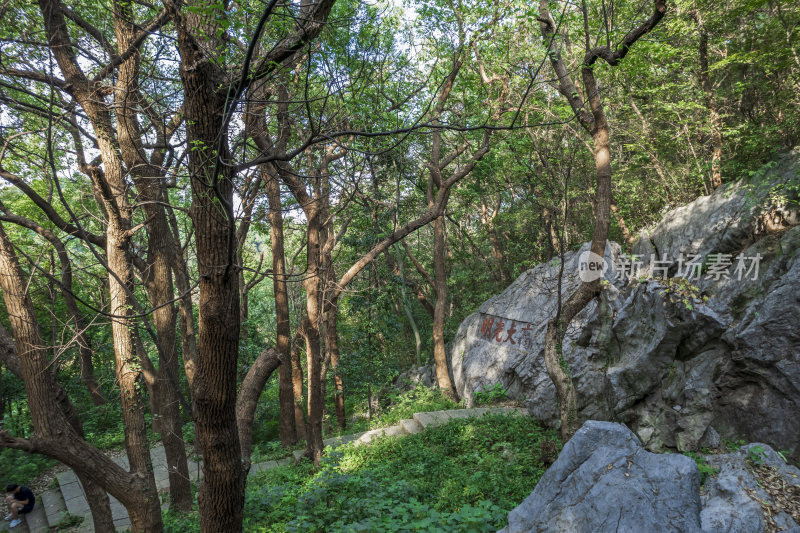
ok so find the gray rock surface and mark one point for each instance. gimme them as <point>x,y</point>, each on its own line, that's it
<point>732,218</point>
<point>421,375</point>
<point>605,481</point>
<point>729,504</point>
<point>685,363</point>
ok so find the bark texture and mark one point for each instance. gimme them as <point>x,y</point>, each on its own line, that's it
<point>288,432</point>
<point>252,386</point>
<point>57,431</point>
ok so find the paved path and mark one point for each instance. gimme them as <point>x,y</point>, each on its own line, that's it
<point>54,505</point>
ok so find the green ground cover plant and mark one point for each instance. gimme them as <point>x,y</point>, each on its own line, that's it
<point>464,476</point>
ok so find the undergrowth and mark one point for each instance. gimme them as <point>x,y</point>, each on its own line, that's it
<point>398,406</point>
<point>461,477</point>
<point>403,405</point>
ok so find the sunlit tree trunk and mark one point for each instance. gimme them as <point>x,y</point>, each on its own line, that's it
<point>595,123</point>
<point>715,122</point>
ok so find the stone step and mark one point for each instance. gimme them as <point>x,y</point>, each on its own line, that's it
<point>431,419</point>
<point>438,418</point>
<point>367,437</point>
<point>72,492</point>
<point>467,413</point>
<point>333,442</point>
<point>518,411</point>
<point>71,498</point>
<point>411,426</point>
<point>37,519</point>
<point>121,523</point>
<point>260,467</point>
<point>54,507</point>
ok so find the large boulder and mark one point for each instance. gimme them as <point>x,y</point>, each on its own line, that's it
<point>684,362</point>
<point>605,482</point>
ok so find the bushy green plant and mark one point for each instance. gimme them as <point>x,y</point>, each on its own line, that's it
<point>68,521</point>
<point>756,455</point>
<point>705,469</point>
<point>20,467</point>
<point>495,393</point>
<point>405,404</point>
<point>733,445</point>
<point>181,522</point>
<point>463,476</point>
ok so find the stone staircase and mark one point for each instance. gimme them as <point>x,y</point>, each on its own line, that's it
<point>69,498</point>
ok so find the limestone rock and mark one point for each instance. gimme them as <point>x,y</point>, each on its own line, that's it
<point>605,481</point>
<point>683,363</point>
<point>729,499</point>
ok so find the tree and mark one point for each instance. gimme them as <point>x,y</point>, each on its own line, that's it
<point>596,125</point>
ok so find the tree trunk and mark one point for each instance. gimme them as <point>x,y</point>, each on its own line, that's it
<point>97,496</point>
<point>56,425</point>
<point>252,386</point>
<point>243,304</point>
<point>648,142</point>
<point>597,125</point>
<point>487,218</point>
<point>311,283</point>
<point>440,309</point>
<point>186,323</point>
<point>78,324</point>
<point>188,333</point>
<point>221,496</point>
<point>332,344</point>
<point>128,373</point>
<point>623,227</point>
<point>288,432</point>
<point>297,388</point>
<point>401,271</point>
<point>711,105</point>
<point>311,329</point>
<point>158,273</point>
<point>158,280</point>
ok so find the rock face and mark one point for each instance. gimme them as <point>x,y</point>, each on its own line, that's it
<point>729,499</point>
<point>604,481</point>
<point>684,362</point>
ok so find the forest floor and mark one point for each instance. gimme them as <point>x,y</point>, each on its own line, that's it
<point>64,502</point>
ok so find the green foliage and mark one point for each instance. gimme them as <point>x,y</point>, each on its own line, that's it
<point>68,521</point>
<point>733,445</point>
<point>271,450</point>
<point>20,467</point>
<point>464,476</point>
<point>492,394</point>
<point>756,455</point>
<point>682,290</point>
<point>705,469</point>
<point>403,405</point>
<point>175,522</point>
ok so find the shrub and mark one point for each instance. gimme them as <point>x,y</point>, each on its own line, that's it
<point>463,476</point>
<point>495,393</point>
